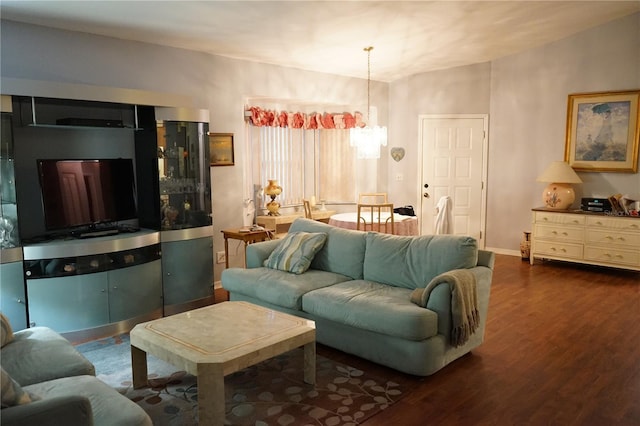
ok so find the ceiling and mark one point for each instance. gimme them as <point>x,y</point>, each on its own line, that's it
<point>408,37</point>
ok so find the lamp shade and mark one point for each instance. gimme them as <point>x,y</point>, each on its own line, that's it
<point>558,195</point>
<point>559,172</point>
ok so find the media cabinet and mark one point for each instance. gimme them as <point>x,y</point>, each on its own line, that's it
<point>90,287</point>
<point>81,284</point>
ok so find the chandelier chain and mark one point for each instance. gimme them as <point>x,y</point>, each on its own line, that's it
<point>368,50</point>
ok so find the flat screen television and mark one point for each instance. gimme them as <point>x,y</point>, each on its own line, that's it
<point>84,193</point>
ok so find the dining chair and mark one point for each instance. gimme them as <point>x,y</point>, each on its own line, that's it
<point>376,217</point>
<point>307,209</point>
<point>373,197</point>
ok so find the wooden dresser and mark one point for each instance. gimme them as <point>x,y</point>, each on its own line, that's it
<point>585,237</point>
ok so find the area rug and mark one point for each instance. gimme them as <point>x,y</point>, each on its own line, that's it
<point>270,393</point>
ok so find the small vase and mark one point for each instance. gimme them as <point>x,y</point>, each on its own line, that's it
<point>525,246</point>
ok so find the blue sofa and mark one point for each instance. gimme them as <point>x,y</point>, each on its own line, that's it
<point>47,382</point>
<point>359,290</point>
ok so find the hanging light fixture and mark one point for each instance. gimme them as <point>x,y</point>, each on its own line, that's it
<point>368,139</point>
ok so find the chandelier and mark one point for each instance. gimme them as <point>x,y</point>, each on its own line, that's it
<point>368,139</point>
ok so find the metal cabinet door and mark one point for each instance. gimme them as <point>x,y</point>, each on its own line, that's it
<point>69,303</point>
<point>187,268</point>
<point>12,297</point>
<point>135,291</point>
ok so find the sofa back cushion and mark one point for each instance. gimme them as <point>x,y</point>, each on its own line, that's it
<point>412,262</point>
<point>343,251</point>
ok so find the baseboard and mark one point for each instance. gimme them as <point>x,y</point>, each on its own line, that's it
<point>217,284</point>
<point>504,251</point>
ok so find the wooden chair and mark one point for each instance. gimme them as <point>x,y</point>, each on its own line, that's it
<point>373,198</point>
<point>307,209</point>
<point>375,217</point>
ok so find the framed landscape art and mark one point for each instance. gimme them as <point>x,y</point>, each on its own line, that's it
<point>221,149</point>
<point>603,131</point>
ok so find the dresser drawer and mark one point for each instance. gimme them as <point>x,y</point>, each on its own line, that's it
<point>559,218</point>
<point>558,249</point>
<point>609,237</point>
<point>618,223</point>
<point>559,233</point>
<point>612,256</point>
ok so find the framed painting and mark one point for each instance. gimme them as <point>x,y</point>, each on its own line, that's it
<point>603,132</point>
<point>221,149</point>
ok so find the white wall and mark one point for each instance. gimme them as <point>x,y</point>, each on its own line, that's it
<point>526,98</point>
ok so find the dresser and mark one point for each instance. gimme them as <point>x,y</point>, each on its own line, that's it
<point>586,237</point>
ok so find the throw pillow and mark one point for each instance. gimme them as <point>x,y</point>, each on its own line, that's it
<point>6,333</point>
<point>296,251</point>
<point>12,393</point>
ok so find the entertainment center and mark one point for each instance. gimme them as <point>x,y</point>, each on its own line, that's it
<point>113,206</point>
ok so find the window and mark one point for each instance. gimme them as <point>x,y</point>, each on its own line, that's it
<point>336,166</point>
<point>278,154</point>
<point>305,163</point>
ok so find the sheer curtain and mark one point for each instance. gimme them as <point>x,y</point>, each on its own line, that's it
<point>336,165</point>
<point>278,153</point>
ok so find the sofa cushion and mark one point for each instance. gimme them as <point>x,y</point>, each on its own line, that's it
<point>107,405</point>
<point>277,287</point>
<point>372,306</point>
<point>342,253</point>
<point>412,262</point>
<point>6,332</point>
<point>39,353</point>
<point>295,251</point>
<point>12,392</point>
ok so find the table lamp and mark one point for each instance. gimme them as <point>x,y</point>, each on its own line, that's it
<point>559,194</point>
<point>273,190</point>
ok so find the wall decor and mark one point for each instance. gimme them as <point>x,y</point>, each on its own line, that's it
<point>221,149</point>
<point>603,131</point>
<point>397,153</point>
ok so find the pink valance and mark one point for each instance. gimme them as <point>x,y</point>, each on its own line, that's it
<point>297,120</point>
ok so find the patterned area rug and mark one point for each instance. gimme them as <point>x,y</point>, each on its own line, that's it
<point>270,393</point>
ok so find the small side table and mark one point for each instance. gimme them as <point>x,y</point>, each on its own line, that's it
<point>241,234</point>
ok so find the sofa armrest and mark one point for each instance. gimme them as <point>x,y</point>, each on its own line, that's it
<point>440,300</point>
<point>64,410</point>
<point>257,253</point>
<point>486,258</point>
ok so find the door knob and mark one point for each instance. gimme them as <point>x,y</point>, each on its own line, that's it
<point>425,195</point>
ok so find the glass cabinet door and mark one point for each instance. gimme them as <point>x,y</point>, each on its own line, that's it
<point>183,166</point>
<point>9,237</point>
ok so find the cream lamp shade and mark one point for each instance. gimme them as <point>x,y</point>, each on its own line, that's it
<point>559,194</point>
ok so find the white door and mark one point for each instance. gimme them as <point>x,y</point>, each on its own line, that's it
<point>453,153</point>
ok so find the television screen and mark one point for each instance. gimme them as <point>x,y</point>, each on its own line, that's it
<point>85,192</point>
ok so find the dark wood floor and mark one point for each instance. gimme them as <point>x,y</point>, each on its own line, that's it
<point>562,347</point>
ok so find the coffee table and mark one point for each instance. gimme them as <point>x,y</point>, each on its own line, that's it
<point>217,340</point>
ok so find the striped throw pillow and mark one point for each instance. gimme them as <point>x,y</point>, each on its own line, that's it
<point>296,251</point>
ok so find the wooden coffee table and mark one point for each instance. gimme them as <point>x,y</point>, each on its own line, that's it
<point>217,340</point>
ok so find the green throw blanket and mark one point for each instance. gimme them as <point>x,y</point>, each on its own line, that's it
<point>464,302</point>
